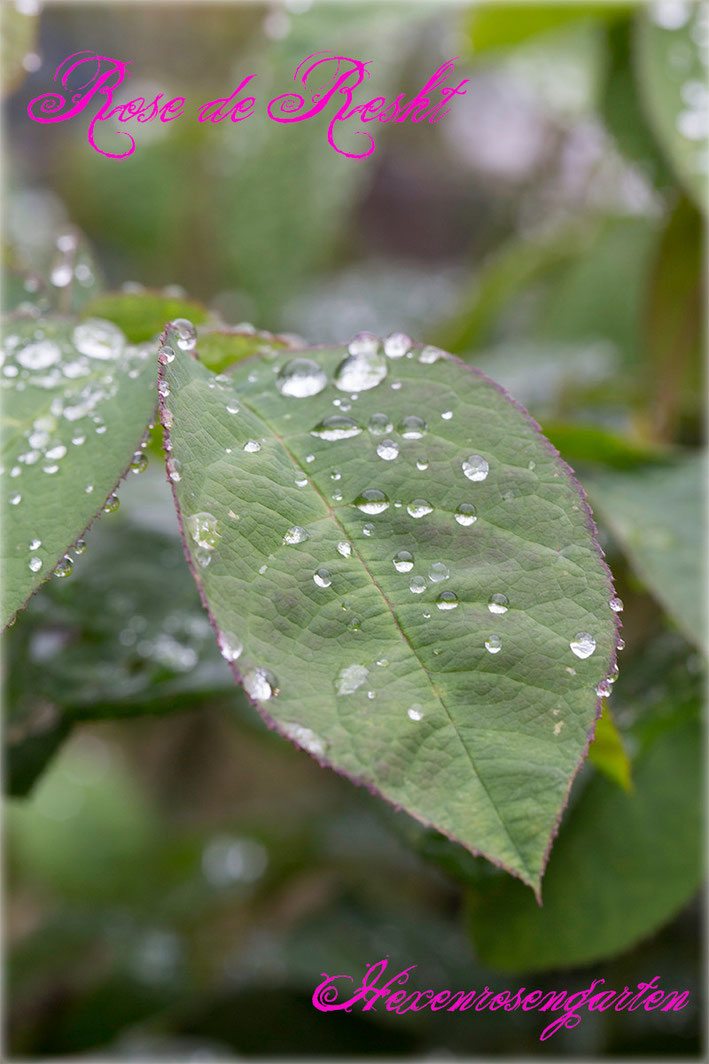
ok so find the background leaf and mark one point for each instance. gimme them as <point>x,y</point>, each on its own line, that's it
<point>608,753</point>
<point>78,400</point>
<point>420,696</point>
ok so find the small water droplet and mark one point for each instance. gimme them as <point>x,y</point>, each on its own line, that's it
<point>166,355</point>
<point>616,604</point>
<point>350,679</point>
<point>412,427</point>
<point>603,689</point>
<point>403,561</point>
<point>296,534</point>
<point>78,440</point>
<point>372,501</point>
<point>80,546</point>
<point>163,388</point>
<point>203,529</point>
<point>415,712</point>
<point>51,469</point>
<point>99,339</point>
<point>186,334</point>
<point>322,577</point>
<point>35,544</point>
<point>422,464</point>
<point>111,504</point>
<point>613,674</point>
<point>447,600</point>
<point>39,355</point>
<point>438,572</point>
<point>174,469</point>
<point>379,425</point>
<point>368,529</point>
<point>466,514</point>
<point>419,508</point>
<point>252,446</point>
<point>493,644</point>
<point>620,644</point>
<point>336,427</point>
<point>417,585</point>
<point>301,378</point>
<point>35,564</point>
<point>305,737</point>
<point>431,354</point>
<point>396,345</point>
<point>447,415</point>
<point>583,645</point>
<point>232,407</point>
<point>475,467</point>
<point>388,450</point>
<point>260,684</point>
<point>230,647</point>
<point>15,499</point>
<point>498,603</point>
<point>64,568</point>
<point>344,548</point>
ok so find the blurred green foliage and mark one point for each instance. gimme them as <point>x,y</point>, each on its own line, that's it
<point>178,881</point>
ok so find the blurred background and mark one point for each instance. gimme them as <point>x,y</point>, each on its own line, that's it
<point>178,876</point>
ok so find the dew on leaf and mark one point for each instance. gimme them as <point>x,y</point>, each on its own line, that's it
<point>430,354</point>
<point>412,427</point>
<point>64,568</point>
<point>232,408</point>
<point>98,339</point>
<point>174,469</point>
<point>80,546</point>
<point>186,334</point>
<point>260,684</point>
<point>111,504</point>
<point>447,600</point>
<point>344,548</point>
<point>300,378</point>
<point>475,467</point>
<point>493,644</point>
<point>372,501</point>
<point>403,561</point>
<point>415,712</point>
<point>203,529</point>
<point>304,737</point>
<point>466,514</point>
<point>438,572</point>
<point>583,645</point>
<point>296,534</point>
<point>166,355</point>
<point>388,450</point>
<point>39,355</point>
<point>368,529</point>
<point>498,603</point>
<point>421,464</point>
<point>252,446</point>
<point>419,508</point>
<point>396,345</point>
<point>336,427</point>
<point>364,368</point>
<point>230,647</point>
<point>350,679</point>
<point>447,415</point>
<point>417,585</point>
<point>15,499</point>
<point>35,544</point>
<point>603,689</point>
<point>379,425</point>
<point>616,604</point>
<point>322,577</point>
<point>139,463</point>
<point>35,564</point>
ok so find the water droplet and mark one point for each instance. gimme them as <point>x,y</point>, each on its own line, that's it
<point>447,415</point>
<point>396,345</point>
<point>337,427</point>
<point>39,355</point>
<point>493,644</point>
<point>620,644</point>
<point>388,450</point>
<point>466,514</point>
<point>351,678</point>
<point>139,463</point>
<point>419,508</point>
<point>372,501</point>
<point>379,425</point>
<point>301,378</point>
<point>344,548</point>
<point>305,737</point>
<point>232,407</point>
<point>35,544</point>
<point>252,446</point>
<point>368,530</point>
<point>35,564</point>
<point>111,504</point>
<point>603,689</point>
<point>532,465</point>
<point>296,534</point>
<point>430,354</point>
<point>447,600</point>
<point>335,475</point>
<point>65,567</point>
<point>51,469</point>
<point>230,647</point>
<point>415,712</point>
<point>78,440</point>
<point>438,572</point>
<point>616,604</point>
<point>364,368</point>
<point>203,529</point>
<point>98,339</point>
<point>15,499</point>
<point>300,480</point>
<point>475,467</point>
<point>403,561</point>
<point>498,603</point>
<point>412,427</point>
<point>613,674</point>
<point>260,684</point>
<point>309,458</point>
<point>583,645</point>
<point>163,388</point>
<point>322,577</point>
<point>174,469</point>
<point>166,355</point>
<point>80,546</point>
<point>417,585</point>
<point>422,464</point>
<point>186,334</point>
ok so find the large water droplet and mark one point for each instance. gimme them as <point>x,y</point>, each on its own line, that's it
<point>438,572</point>
<point>372,501</point>
<point>583,645</point>
<point>447,600</point>
<point>466,514</point>
<point>301,378</point>
<point>403,561</point>
<point>98,339</point>
<point>388,450</point>
<point>186,334</point>
<point>419,508</point>
<point>39,355</point>
<point>364,368</point>
<point>498,603</point>
<point>475,467</point>
<point>379,425</point>
<point>260,684</point>
<point>65,567</point>
<point>412,427</point>
<point>396,345</point>
<point>322,577</point>
<point>337,427</point>
<point>493,644</point>
<point>417,585</point>
<point>296,534</point>
<point>351,678</point>
<point>203,529</point>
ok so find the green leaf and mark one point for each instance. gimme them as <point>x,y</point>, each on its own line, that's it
<point>622,866</point>
<point>608,753</point>
<point>591,443</point>
<point>76,409</point>
<point>490,27</point>
<point>142,315</point>
<point>656,514</point>
<point>219,349</point>
<point>471,719</point>
<point>19,34</point>
<point>672,72</point>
